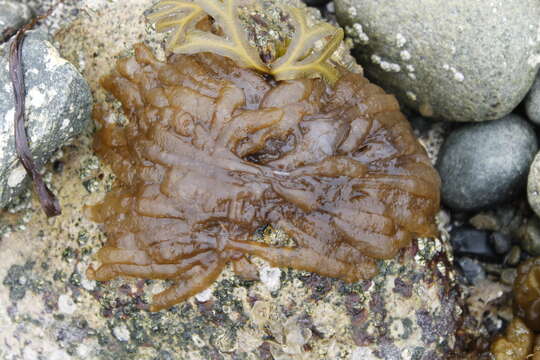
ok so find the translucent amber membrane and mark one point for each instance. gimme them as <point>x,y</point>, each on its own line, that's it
<point>212,152</point>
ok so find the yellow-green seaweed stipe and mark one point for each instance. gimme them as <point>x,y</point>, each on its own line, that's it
<point>300,60</point>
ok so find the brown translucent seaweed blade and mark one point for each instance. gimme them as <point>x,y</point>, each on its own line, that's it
<point>207,159</point>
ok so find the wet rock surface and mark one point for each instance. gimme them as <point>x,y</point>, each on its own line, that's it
<point>485,164</point>
<point>457,61</point>
<point>12,17</point>
<point>58,106</point>
<point>410,310</point>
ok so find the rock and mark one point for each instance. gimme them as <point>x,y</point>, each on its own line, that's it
<point>513,257</point>
<point>506,218</point>
<point>472,269</point>
<point>485,164</point>
<point>532,102</point>
<point>500,242</point>
<point>13,16</point>
<point>58,106</point>
<point>508,276</point>
<point>454,60</point>
<point>472,242</point>
<point>530,241</point>
<point>533,185</point>
<point>411,309</point>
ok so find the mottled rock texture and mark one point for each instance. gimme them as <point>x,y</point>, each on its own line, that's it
<point>58,107</point>
<point>466,60</point>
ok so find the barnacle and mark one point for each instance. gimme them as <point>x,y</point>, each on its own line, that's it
<point>300,60</point>
<point>516,344</point>
<point>527,293</point>
<point>213,151</point>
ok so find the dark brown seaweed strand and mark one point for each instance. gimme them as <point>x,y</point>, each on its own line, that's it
<point>48,201</point>
<point>7,34</point>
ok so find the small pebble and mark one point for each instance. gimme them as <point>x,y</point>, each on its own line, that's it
<point>485,221</point>
<point>508,276</point>
<point>486,163</point>
<point>472,242</point>
<point>530,241</point>
<point>513,257</point>
<point>533,185</point>
<point>500,242</point>
<point>472,269</point>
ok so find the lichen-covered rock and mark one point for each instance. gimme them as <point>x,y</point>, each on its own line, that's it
<point>13,15</point>
<point>455,60</point>
<point>410,310</point>
<point>58,107</point>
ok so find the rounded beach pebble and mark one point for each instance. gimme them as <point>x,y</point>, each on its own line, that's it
<point>533,185</point>
<point>455,60</point>
<point>484,164</point>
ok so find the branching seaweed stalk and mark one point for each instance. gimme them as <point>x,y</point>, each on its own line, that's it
<point>300,60</point>
<point>235,45</point>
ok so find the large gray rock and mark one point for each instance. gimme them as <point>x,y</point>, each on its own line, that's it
<point>487,163</point>
<point>13,15</point>
<point>58,107</point>
<point>462,60</point>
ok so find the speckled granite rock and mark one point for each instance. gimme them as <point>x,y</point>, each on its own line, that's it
<point>13,15</point>
<point>58,106</point>
<point>411,310</point>
<point>462,60</point>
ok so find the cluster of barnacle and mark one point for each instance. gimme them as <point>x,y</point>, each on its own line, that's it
<point>215,150</point>
<point>520,341</point>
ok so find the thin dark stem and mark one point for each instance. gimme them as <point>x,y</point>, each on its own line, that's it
<point>48,200</point>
